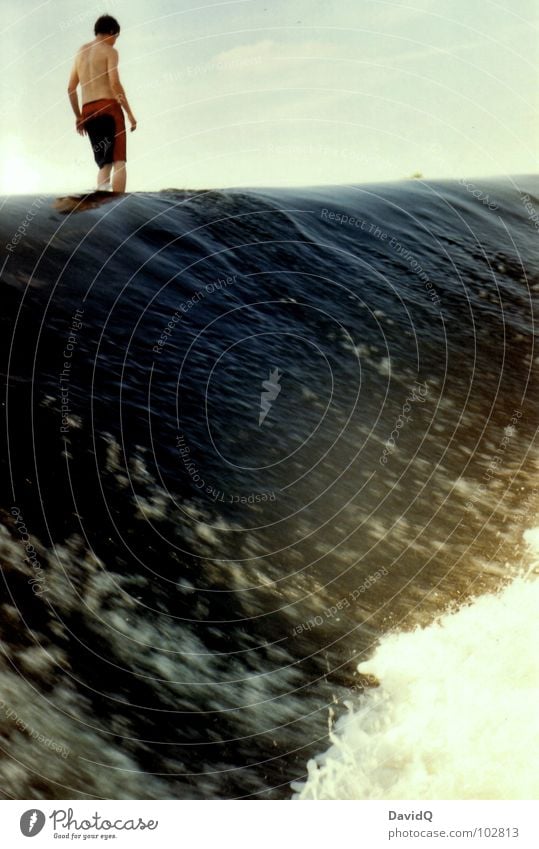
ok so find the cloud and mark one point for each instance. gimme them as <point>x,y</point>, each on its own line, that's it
<point>245,53</point>
<point>267,52</point>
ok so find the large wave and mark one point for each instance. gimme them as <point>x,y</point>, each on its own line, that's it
<point>249,437</point>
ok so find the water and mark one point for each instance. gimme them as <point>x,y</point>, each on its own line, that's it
<point>202,585</point>
<point>452,711</point>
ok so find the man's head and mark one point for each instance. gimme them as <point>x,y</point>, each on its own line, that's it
<point>107,28</point>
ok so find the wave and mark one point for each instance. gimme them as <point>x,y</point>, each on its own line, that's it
<point>249,435</point>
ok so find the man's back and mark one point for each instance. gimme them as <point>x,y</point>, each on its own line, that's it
<point>92,63</point>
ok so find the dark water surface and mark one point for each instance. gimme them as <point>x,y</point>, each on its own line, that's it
<point>248,433</point>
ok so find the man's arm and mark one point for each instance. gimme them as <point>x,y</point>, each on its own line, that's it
<point>74,98</point>
<point>116,86</point>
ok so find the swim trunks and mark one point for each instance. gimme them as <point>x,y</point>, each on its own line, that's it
<point>105,125</point>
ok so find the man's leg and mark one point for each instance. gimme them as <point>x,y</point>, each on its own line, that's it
<point>119,177</point>
<point>103,177</point>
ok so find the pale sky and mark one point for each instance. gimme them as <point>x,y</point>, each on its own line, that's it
<point>278,92</point>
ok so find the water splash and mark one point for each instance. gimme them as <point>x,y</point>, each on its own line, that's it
<point>453,717</point>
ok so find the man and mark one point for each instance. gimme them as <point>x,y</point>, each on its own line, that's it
<point>102,99</point>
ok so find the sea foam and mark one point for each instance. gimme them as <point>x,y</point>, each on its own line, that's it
<point>455,716</point>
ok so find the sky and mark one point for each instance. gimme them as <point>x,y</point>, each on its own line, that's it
<point>278,92</point>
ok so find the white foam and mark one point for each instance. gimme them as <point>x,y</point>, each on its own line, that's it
<point>455,716</point>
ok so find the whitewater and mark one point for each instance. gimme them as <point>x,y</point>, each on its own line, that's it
<point>454,715</point>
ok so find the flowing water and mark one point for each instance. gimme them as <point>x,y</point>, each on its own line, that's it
<point>254,439</point>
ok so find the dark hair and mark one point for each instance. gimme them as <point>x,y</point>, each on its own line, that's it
<point>106,25</point>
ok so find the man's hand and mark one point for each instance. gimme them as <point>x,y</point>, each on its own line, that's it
<point>79,124</point>
<point>133,122</point>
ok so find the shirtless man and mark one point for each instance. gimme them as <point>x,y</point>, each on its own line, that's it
<point>102,99</point>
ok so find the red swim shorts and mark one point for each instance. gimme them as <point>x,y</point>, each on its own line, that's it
<point>105,125</point>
